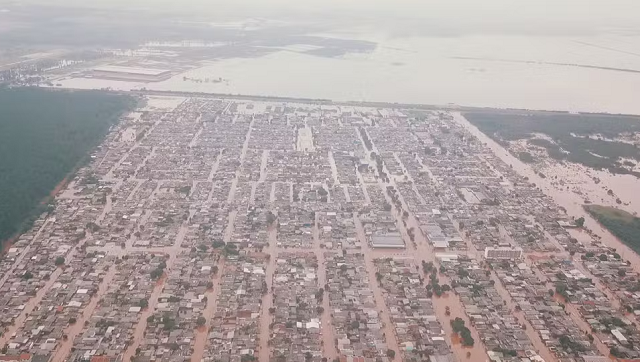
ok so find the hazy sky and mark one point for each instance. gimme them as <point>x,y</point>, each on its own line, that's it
<point>411,17</point>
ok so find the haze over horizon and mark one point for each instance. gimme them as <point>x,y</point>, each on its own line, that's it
<point>409,17</point>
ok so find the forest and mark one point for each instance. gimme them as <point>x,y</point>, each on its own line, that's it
<point>623,225</point>
<point>593,140</point>
<point>44,136</point>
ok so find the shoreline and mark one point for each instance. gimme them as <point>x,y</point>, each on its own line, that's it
<point>5,244</point>
<point>323,101</point>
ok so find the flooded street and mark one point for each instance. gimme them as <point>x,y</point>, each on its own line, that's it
<point>202,333</point>
<point>385,317</point>
<point>62,353</point>
<point>267,300</point>
<point>35,301</point>
<point>139,331</point>
<point>29,307</point>
<point>329,348</point>
<point>477,70</point>
<point>418,251</point>
<point>534,337</point>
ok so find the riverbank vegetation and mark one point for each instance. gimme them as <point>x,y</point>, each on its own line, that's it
<point>602,142</point>
<point>620,223</point>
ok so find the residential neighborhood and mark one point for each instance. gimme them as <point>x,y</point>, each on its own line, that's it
<point>235,230</point>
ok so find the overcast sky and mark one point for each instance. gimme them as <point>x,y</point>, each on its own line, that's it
<point>410,17</point>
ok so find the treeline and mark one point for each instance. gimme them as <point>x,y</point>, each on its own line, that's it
<point>624,226</point>
<point>570,135</point>
<point>45,135</point>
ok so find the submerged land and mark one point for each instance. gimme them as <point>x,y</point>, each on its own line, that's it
<point>209,228</point>
<point>255,183</point>
<point>44,136</point>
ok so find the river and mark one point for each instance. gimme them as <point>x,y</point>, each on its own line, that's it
<point>572,73</point>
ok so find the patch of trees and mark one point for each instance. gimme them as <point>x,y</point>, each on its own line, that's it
<point>462,330</point>
<point>143,303</point>
<point>506,352</point>
<point>184,190</point>
<point>201,321</point>
<point>625,227</point>
<point>271,217</point>
<point>231,249</point>
<point>168,322</point>
<point>217,244</point>
<point>563,290</point>
<point>158,271</point>
<point>44,136</point>
<point>247,358</point>
<point>570,345</point>
<point>526,157</point>
<point>391,353</point>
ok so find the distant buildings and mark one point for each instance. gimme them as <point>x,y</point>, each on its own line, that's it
<point>131,73</point>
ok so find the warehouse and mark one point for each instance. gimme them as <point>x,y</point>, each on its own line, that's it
<point>387,241</point>
<point>131,73</point>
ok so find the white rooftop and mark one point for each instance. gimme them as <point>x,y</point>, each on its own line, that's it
<point>130,70</point>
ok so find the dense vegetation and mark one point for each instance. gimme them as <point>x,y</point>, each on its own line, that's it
<point>570,134</point>
<point>462,330</point>
<point>623,225</point>
<point>45,135</point>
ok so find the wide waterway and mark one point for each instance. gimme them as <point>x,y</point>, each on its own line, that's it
<point>574,73</point>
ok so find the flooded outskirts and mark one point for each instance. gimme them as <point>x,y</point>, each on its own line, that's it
<point>278,231</point>
<point>288,189</point>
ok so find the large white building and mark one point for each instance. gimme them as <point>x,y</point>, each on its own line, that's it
<point>392,240</point>
<point>119,72</point>
<point>503,253</point>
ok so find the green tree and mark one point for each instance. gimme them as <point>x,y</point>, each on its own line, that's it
<point>156,273</point>
<point>201,321</point>
<point>143,303</point>
<point>391,353</point>
<point>59,261</point>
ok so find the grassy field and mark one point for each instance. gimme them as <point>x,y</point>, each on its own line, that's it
<point>45,135</point>
<point>622,224</point>
<point>571,137</point>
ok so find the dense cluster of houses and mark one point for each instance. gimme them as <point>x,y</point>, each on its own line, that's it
<point>236,230</point>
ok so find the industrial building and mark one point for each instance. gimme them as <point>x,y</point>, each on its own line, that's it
<point>387,241</point>
<point>118,72</point>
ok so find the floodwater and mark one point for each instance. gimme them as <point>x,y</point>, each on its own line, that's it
<point>532,72</point>
<point>570,201</point>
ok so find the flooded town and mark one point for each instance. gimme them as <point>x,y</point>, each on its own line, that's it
<point>216,229</point>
